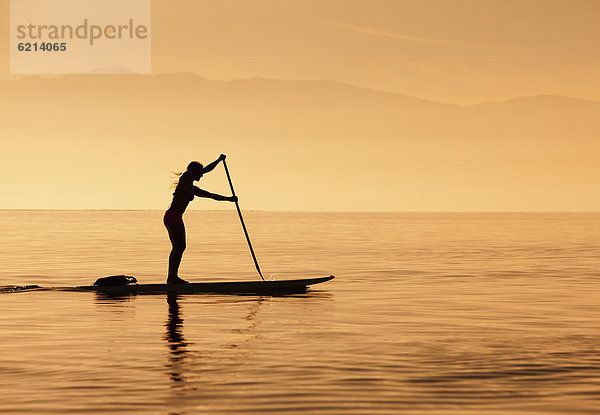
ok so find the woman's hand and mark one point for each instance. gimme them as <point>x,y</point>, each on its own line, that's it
<point>233,199</point>
<point>222,157</point>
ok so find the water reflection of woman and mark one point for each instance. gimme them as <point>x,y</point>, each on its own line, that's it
<point>175,339</point>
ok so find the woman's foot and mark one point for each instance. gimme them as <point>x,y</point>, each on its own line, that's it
<point>176,280</point>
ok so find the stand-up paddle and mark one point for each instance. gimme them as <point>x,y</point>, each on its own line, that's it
<point>242,220</point>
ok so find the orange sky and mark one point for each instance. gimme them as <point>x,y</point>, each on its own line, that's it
<point>396,155</point>
<point>460,51</point>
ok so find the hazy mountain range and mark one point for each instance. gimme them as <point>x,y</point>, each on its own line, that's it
<point>297,144</point>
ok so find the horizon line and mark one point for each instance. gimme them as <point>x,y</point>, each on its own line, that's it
<point>300,211</point>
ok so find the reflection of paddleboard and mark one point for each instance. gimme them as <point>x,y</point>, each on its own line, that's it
<point>250,287</point>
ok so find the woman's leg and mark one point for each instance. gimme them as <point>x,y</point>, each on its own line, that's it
<point>177,237</point>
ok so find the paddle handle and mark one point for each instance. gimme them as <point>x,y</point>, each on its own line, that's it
<point>237,206</point>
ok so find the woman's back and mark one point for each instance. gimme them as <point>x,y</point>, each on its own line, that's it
<point>183,194</point>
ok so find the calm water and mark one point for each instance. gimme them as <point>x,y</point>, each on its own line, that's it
<point>429,314</point>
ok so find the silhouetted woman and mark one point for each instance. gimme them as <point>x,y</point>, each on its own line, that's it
<point>173,219</point>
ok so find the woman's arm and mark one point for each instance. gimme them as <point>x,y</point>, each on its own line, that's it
<point>212,165</point>
<point>203,193</point>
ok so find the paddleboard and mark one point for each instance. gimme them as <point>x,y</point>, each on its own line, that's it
<point>243,287</point>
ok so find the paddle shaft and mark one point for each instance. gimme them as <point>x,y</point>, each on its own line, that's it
<point>242,220</point>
